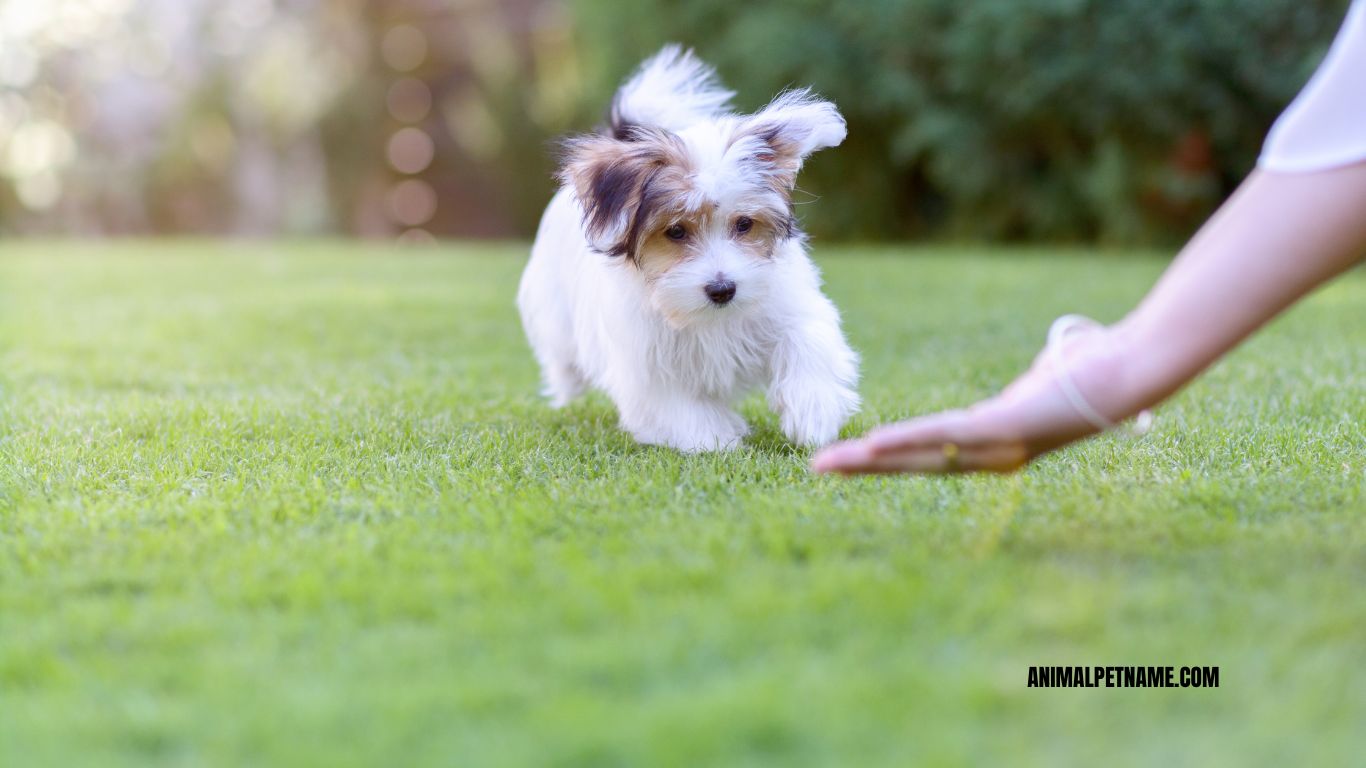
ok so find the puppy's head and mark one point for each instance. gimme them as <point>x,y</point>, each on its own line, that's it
<point>700,213</point>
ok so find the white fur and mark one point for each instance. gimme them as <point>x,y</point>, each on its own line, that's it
<point>674,363</point>
<point>672,90</point>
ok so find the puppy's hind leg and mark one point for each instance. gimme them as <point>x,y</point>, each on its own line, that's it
<point>561,382</point>
<point>551,342</point>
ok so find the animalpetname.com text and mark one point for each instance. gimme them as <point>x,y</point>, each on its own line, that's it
<point>1123,677</point>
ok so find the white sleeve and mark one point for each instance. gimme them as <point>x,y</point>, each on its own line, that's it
<point>1325,126</point>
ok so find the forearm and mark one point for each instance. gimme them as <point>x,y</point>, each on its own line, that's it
<point>1278,237</point>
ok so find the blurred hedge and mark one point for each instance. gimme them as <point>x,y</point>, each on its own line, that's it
<point>1122,121</point>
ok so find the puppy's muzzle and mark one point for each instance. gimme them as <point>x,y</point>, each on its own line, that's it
<point>720,291</point>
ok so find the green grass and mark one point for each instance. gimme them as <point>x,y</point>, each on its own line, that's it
<point>298,504</point>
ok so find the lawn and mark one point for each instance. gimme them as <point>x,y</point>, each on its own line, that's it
<point>298,504</point>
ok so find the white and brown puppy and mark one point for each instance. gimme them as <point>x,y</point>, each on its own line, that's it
<point>669,271</point>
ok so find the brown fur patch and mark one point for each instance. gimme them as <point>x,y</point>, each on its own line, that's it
<point>622,185</point>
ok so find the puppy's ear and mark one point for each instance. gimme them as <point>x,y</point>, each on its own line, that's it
<point>790,128</point>
<point>610,177</point>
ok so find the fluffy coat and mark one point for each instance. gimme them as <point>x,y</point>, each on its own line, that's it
<point>670,273</point>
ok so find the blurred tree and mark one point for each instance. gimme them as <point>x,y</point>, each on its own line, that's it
<point>173,115</point>
<point>495,82</point>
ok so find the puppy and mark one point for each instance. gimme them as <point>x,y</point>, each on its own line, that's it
<point>669,270</point>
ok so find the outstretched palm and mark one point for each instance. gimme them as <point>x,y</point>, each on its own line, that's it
<point>1033,415</point>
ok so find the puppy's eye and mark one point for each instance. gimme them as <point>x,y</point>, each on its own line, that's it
<point>743,225</point>
<point>676,232</point>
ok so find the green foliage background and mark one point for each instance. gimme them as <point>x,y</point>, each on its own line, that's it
<point>1110,120</point>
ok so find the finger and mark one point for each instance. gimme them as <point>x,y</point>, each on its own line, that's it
<point>917,460</point>
<point>926,431</point>
<point>859,457</point>
<point>1004,457</point>
<point>840,456</point>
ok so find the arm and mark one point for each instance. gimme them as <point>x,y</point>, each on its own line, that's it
<point>1276,239</point>
<point>1279,236</point>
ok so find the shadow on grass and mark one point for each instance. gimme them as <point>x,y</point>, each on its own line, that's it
<point>591,424</point>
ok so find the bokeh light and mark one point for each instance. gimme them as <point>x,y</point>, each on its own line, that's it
<point>409,100</point>
<point>404,47</point>
<point>213,142</point>
<point>473,125</point>
<point>416,237</point>
<point>411,150</point>
<point>18,66</point>
<point>412,202</point>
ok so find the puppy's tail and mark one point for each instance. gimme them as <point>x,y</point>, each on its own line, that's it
<point>672,90</point>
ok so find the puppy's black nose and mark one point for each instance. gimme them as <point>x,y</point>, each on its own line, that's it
<point>720,291</point>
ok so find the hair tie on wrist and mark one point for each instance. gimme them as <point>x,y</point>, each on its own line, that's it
<point>1056,334</point>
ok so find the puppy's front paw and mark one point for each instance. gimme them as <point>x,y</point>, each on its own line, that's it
<point>812,415</point>
<point>696,431</point>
